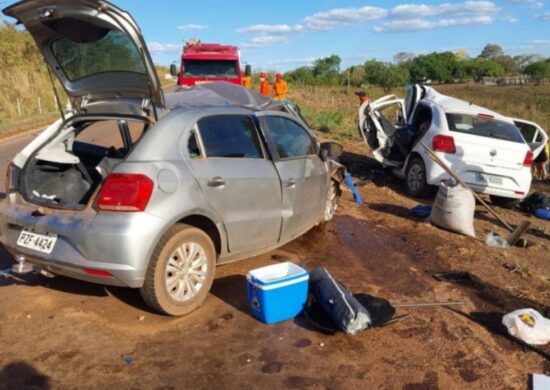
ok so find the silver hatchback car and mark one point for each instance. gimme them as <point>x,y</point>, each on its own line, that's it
<point>134,188</point>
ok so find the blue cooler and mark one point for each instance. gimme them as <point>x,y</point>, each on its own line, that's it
<point>277,292</point>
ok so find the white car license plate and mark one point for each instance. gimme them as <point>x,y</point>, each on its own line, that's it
<point>43,243</point>
<point>489,179</point>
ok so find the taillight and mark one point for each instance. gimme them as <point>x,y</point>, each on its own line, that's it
<point>125,192</point>
<point>444,143</point>
<point>97,272</point>
<point>529,159</point>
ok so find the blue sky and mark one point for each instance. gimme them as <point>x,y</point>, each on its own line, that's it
<point>283,34</point>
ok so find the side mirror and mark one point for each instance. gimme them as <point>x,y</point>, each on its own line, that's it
<point>248,70</point>
<point>174,70</point>
<point>331,150</point>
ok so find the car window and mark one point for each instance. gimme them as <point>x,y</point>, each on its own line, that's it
<point>230,136</point>
<point>193,146</point>
<point>484,126</point>
<point>291,139</point>
<point>529,131</point>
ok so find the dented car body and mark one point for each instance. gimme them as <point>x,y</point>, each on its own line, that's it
<point>491,152</point>
<point>134,188</point>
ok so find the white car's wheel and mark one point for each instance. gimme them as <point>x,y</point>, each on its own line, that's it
<point>415,179</point>
<point>181,271</point>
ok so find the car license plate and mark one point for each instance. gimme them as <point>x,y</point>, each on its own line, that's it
<point>43,243</point>
<point>489,179</point>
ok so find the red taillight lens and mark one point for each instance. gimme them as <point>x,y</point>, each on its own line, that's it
<point>97,272</point>
<point>529,159</point>
<point>444,143</point>
<point>125,192</point>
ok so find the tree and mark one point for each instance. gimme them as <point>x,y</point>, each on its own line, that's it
<point>539,70</point>
<point>508,64</point>
<point>492,51</point>
<point>385,75</point>
<point>355,75</point>
<point>303,74</point>
<point>527,59</point>
<point>480,67</point>
<point>403,57</point>
<point>326,70</point>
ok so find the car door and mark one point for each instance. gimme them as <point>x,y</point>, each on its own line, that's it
<point>379,132</point>
<point>535,136</point>
<point>302,172</point>
<point>230,161</point>
<point>414,94</point>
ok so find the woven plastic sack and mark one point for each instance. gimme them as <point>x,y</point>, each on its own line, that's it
<point>454,209</point>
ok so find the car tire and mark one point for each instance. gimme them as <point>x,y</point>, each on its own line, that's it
<point>332,199</point>
<point>505,203</point>
<point>415,179</point>
<point>180,272</point>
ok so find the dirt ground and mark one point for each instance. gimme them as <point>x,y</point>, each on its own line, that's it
<point>61,333</point>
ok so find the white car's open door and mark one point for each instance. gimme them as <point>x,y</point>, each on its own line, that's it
<point>415,93</point>
<point>534,135</point>
<point>379,132</point>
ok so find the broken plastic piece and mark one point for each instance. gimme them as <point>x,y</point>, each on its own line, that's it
<point>496,240</point>
<point>351,186</point>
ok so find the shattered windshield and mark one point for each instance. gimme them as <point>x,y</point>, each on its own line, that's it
<point>207,68</point>
<point>484,127</point>
<point>114,52</point>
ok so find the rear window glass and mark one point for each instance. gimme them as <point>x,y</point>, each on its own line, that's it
<point>230,136</point>
<point>208,68</point>
<point>484,127</point>
<point>114,52</point>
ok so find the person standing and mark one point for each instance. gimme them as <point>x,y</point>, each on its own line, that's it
<point>280,88</point>
<point>364,102</point>
<point>264,85</point>
<point>540,165</point>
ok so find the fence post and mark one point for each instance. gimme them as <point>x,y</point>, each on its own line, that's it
<point>40,105</point>
<point>18,107</point>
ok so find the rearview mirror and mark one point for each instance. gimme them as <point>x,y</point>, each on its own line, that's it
<point>174,70</point>
<point>331,150</point>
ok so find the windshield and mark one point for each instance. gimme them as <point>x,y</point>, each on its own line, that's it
<point>208,68</point>
<point>484,127</point>
<point>114,52</point>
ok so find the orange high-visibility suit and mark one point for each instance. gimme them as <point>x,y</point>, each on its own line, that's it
<point>280,88</point>
<point>247,82</point>
<point>264,85</point>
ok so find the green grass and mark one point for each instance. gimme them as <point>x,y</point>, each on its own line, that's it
<point>336,107</point>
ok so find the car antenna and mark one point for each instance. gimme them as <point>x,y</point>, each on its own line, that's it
<point>57,100</point>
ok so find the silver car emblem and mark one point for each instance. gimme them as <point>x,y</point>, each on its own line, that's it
<point>493,153</point>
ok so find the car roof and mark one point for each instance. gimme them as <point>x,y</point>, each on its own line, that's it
<point>454,105</point>
<point>220,95</point>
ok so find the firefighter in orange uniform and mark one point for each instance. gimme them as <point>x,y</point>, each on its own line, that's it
<point>264,85</point>
<point>280,88</point>
<point>247,78</point>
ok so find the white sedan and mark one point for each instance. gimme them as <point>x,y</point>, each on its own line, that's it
<point>491,152</point>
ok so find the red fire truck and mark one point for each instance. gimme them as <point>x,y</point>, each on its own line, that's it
<point>208,62</point>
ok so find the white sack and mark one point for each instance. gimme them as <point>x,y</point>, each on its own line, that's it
<point>454,209</point>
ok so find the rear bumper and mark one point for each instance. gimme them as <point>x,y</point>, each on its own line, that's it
<point>515,183</point>
<point>120,244</point>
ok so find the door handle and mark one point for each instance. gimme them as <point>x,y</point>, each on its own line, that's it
<point>290,183</point>
<point>216,182</point>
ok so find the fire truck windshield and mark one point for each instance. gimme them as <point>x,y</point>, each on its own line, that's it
<point>209,68</point>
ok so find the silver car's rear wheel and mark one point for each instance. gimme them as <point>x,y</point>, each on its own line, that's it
<point>186,271</point>
<point>333,195</point>
<point>181,271</point>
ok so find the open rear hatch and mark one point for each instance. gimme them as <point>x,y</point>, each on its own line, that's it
<point>96,51</point>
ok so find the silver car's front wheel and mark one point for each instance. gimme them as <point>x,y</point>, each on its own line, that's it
<point>333,195</point>
<point>181,271</point>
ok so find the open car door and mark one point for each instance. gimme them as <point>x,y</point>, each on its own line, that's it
<point>415,93</point>
<point>535,136</point>
<point>97,52</point>
<point>383,135</point>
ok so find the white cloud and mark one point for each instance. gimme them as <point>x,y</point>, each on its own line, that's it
<point>264,40</point>
<point>192,26</point>
<point>292,61</point>
<point>157,47</point>
<point>424,24</point>
<point>467,8</point>
<point>271,29</point>
<point>528,3</point>
<point>544,16</point>
<point>541,42</point>
<point>343,16</point>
